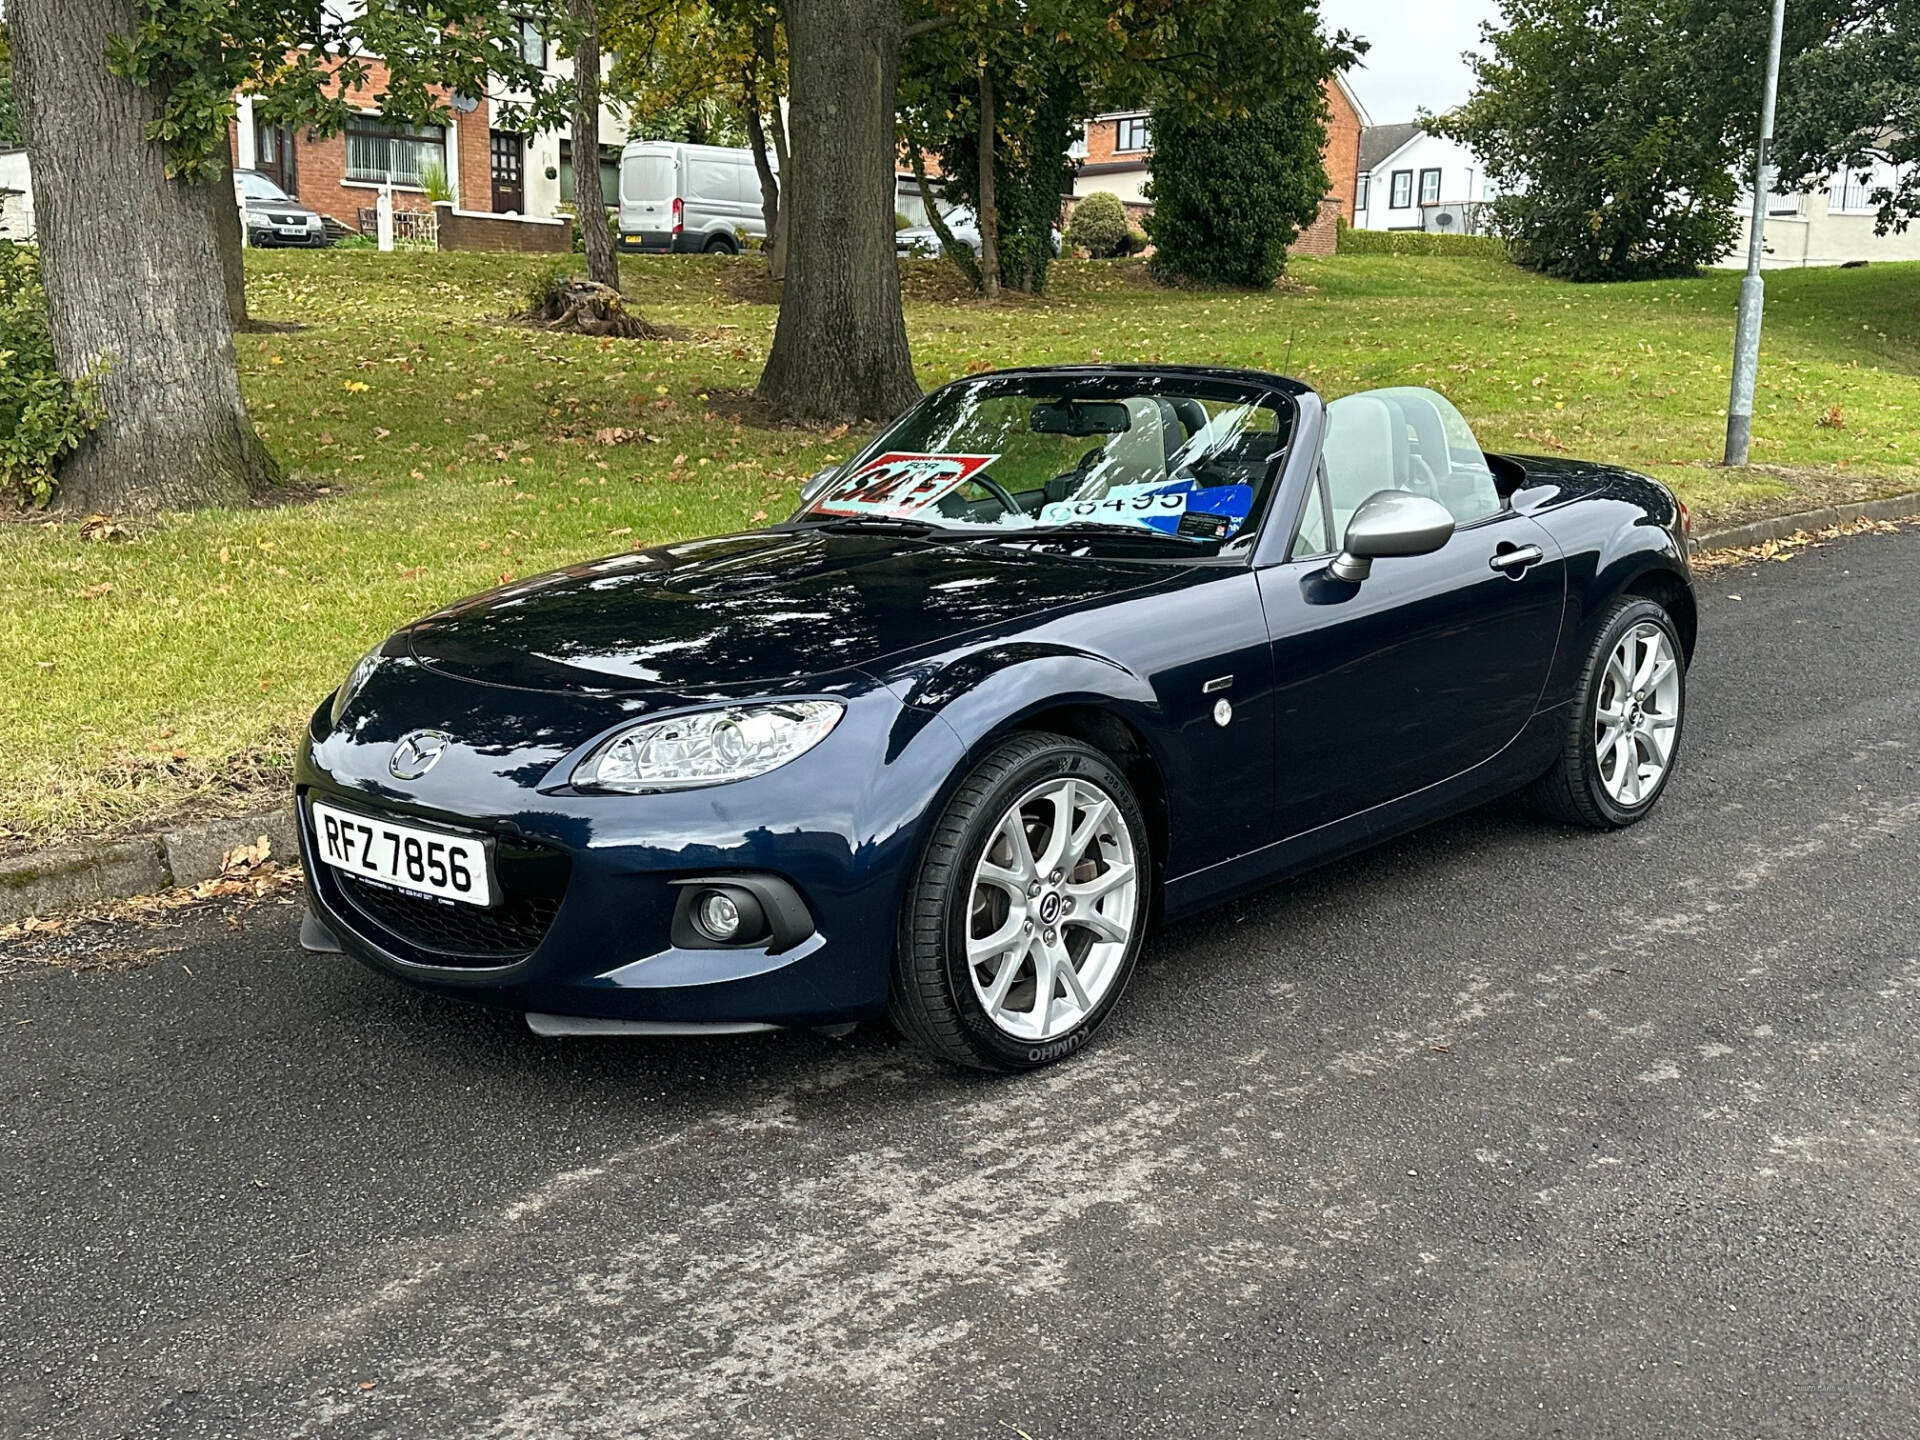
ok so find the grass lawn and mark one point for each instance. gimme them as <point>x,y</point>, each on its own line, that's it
<point>171,668</point>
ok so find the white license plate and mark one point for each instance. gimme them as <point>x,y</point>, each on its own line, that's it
<point>427,862</point>
<point>293,232</point>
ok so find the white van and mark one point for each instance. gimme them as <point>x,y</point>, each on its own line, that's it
<point>688,197</point>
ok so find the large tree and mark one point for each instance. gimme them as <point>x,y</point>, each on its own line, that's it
<point>127,106</point>
<point>583,39</point>
<point>1854,101</point>
<point>840,344</point>
<point>133,273</point>
<point>1231,193</point>
<point>997,89</point>
<point>1616,128</point>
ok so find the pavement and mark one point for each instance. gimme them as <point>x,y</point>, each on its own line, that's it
<point>1498,1130</point>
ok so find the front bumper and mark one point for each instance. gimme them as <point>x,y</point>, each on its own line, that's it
<point>273,240</point>
<point>590,882</point>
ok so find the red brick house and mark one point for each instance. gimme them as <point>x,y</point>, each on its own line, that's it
<point>1117,145</point>
<point>492,172</point>
<point>340,175</point>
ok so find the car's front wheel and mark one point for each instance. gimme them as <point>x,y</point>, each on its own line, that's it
<point>1623,730</point>
<point>1027,913</point>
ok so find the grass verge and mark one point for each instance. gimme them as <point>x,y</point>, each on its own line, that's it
<point>439,450</point>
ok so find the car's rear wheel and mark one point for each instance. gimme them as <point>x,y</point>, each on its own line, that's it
<point>1027,914</point>
<point>1623,732</point>
<point>722,245</point>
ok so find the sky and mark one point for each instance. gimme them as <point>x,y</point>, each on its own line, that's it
<point>1415,60</point>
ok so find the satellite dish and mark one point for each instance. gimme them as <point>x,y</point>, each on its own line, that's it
<point>1443,219</point>
<point>465,104</point>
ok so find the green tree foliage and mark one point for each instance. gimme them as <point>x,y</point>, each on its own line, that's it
<point>1044,65</point>
<point>9,117</point>
<point>1231,192</point>
<point>1099,226</point>
<point>43,415</point>
<point>303,61</point>
<point>1856,99</point>
<point>1616,128</point>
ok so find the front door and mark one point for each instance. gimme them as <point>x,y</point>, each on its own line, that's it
<point>509,172</point>
<point>273,154</point>
<point>1428,667</point>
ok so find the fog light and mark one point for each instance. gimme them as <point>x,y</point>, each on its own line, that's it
<point>716,915</point>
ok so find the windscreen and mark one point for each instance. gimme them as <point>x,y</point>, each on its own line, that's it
<point>1185,459</point>
<point>258,187</point>
<point>648,177</point>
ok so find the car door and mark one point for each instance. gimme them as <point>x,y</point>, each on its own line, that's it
<point>1431,665</point>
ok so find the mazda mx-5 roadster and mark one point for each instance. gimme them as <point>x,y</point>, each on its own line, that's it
<point>1062,652</point>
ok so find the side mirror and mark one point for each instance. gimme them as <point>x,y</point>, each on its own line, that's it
<point>813,488</point>
<point>1390,523</point>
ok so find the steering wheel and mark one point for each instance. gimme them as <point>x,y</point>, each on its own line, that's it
<point>999,492</point>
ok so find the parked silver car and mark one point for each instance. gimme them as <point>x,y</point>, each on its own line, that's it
<point>274,217</point>
<point>924,241</point>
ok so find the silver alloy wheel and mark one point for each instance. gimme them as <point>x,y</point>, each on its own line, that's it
<point>1637,716</point>
<point>1051,911</point>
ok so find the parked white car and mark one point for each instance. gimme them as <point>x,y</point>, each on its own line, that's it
<point>688,197</point>
<point>924,241</point>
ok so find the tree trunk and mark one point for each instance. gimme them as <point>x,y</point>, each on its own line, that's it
<point>226,233</point>
<point>783,166</point>
<point>989,216</point>
<point>603,265</point>
<point>133,276</point>
<point>840,346</point>
<point>961,255</point>
<point>757,142</point>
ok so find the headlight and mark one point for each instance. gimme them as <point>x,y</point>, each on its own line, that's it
<point>708,747</point>
<point>356,680</point>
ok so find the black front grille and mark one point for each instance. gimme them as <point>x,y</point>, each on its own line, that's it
<point>532,879</point>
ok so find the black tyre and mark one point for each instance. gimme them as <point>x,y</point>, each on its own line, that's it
<point>1623,730</point>
<point>722,245</point>
<point>1026,916</point>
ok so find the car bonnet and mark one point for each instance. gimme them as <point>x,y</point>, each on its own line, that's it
<point>763,608</point>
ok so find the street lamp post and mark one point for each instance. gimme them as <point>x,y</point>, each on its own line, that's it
<point>1746,335</point>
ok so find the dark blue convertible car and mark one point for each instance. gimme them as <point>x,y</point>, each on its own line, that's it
<point>1062,651</point>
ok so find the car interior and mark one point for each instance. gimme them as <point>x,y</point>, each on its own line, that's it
<point>1150,442</point>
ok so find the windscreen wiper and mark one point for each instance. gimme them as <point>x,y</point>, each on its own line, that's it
<point>1106,527</point>
<point>887,524</point>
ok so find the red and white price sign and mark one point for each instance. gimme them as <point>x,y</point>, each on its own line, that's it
<point>899,483</point>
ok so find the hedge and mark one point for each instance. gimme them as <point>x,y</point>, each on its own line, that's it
<point>1418,242</point>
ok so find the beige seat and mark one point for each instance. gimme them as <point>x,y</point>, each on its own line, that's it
<point>1136,456</point>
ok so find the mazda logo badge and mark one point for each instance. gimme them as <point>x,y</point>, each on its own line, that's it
<point>418,753</point>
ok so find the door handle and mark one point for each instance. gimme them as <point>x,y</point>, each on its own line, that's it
<point>1513,562</point>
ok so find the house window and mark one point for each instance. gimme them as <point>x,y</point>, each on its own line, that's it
<point>1429,187</point>
<point>1360,194</point>
<point>1132,134</point>
<point>384,153</point>
<point>533,45</point>
<point>609,173</point>
<point>1402,196</point>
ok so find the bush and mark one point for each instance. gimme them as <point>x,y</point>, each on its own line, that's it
<point>1231,194</point>
<point>1098,226</point>
<point>1418,242</point>
<point>43,415</point>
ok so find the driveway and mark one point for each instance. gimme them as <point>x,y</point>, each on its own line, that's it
<point>1497,1130</point>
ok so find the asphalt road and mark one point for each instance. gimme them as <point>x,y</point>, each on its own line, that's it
<point>1499,1130</point>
